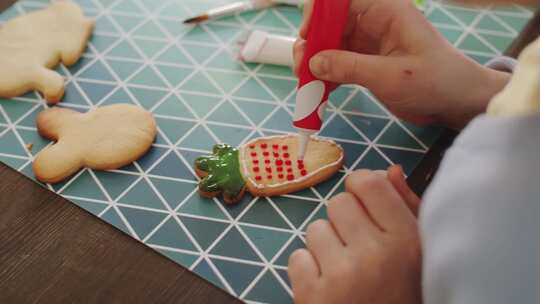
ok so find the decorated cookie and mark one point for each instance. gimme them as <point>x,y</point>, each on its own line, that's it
<point>107,138</point>
<point>32,44</point>
<point>266,166</point>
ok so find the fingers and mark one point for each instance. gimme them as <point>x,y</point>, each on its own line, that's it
<point>349,67</point>
<point>349,218</point>
<point>303,271</point>
<point>397,178</point>
<point>382,201</point>
<point>323,242</point>
<point>308,9</point>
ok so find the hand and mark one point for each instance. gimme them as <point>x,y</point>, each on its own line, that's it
<point>391,49</point>
<point>368,252</point>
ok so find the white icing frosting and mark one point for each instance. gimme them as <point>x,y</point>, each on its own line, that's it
<point>245,164</point>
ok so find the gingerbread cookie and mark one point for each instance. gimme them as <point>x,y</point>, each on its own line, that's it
<point>266,166</point>
<point>32,44</point>
<point>106,138</point>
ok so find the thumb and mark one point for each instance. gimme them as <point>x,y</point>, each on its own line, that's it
<point>346,67</point>
<point>397,178</point>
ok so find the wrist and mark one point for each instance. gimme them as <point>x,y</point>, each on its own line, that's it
<point>493,82</point>
<point>476,97</point>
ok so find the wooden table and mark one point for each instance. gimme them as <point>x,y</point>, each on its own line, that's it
<point>51,251</point>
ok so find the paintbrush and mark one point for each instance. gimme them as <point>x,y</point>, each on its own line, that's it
<point>239,7</point>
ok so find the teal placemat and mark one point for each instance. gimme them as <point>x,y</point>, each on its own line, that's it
<point>200,94</point>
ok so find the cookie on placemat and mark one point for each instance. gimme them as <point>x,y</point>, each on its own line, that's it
<point>106,138</point>
<point>32,44</point>
<point>266,166</point>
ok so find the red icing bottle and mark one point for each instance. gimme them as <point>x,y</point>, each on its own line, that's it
<point>325,32</point>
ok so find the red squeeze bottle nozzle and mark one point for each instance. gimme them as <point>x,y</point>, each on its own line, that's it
<point>325,32</point>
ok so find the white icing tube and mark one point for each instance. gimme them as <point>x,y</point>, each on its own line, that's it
<point>303,137</point>
<point>263,47</point>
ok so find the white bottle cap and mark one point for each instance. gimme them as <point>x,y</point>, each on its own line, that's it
<point>263,47</point>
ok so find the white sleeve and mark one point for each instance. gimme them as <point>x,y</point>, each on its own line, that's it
<point>480,219</point>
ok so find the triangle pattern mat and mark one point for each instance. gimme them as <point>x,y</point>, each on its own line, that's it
<point>189,78</point>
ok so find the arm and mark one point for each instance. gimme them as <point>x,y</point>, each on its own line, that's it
<point>392,49</point>
<point>479,221</point>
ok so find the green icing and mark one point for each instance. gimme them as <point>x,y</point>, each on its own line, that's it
<point>421,4</point>
<point>223,169</point>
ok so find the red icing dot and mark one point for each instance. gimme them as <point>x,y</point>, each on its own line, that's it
<point>256,169</point>
<point>268,169</point>
<point>286,155</point>
<point>303,172</point>
<point>267,161</point>
<point>253,154</point>
<point>275,147</point>
<point>300,161</point>
<point>300,166</point>
<point>276,154</point>
<point>255,161</point>
<point>264,146</point>
<point>288,162</point>
<point>290,177</point>
<point>265,153</point>
<point>279,162</point>
<point>289,170</point>
<point>258,178</point>
<point>279,169</point>
<point>269,177</point>
<point>281,176</point>
<point>252,147</point>
<point>285,147</point>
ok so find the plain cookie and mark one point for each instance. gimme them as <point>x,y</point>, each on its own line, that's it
<point>107,138</point>
<point>32,44</point>
<point>266,166</point>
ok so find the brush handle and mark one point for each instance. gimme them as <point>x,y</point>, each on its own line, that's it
<point>325,32</point>
<point>239,7</point>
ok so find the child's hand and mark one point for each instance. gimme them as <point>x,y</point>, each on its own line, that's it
<point>368,252</point>
<point>396,53</point>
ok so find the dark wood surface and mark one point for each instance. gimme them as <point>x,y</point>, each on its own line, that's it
<point>5,3</point>
<point>51,251</point>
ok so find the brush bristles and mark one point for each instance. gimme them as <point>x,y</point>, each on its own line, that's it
<point>197,19</point>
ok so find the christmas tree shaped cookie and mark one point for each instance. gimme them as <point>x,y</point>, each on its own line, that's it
<point>266,166</point>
